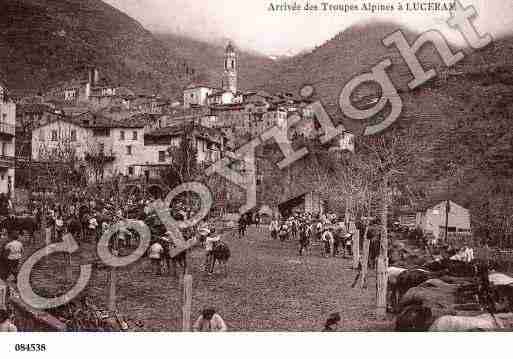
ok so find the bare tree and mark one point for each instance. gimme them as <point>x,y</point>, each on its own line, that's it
<point>97,158</point>
<point>392,154</point>
<point>60,167</point>
<point>183,165</point>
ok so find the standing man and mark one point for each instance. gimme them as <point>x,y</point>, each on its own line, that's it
<point>155,254</point>
<point>210,242</point>
<point>257,221</point>
<point>273,228</point>
<point>166,255</point>
<point>327,239</point>
<point>283,232</point>
<point>242,226</point>
<point>13,253</point>
<point>303,239</point>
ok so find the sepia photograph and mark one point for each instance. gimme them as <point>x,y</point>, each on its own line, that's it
<point>257,166</point>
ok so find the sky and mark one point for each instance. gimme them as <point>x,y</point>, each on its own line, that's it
<point>251,25</point>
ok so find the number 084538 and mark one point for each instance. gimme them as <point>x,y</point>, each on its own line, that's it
<point>30,347</point>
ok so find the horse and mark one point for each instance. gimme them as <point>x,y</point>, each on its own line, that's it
<point>483,322</point>
<point>408,279</point>
<point>414,318</point>
<point>221,254</point>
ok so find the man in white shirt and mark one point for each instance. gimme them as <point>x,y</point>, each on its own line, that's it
<point>328,239</point>
<point>155,253</point>
<point>13,253</point>
<point>93,224</point>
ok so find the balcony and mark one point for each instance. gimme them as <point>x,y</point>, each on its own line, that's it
<point>7,129</point>
<point>6,162</point>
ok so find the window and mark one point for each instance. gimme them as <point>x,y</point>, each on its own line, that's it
<point>54,135</point>
<point>101,147</point>
<point>4,148</point>
<point>73,135</point>
<point>130,170</point>
<point>134,135</point>
<point>4,117</point>
<point>162,156</point>
<point>121,135</point>
<point>41,135</point>
<point>129,150</point>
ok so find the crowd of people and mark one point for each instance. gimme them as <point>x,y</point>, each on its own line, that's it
<point>330,231</point>
<point>86,215</point>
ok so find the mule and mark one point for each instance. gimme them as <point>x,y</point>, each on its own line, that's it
<point>221,254</point>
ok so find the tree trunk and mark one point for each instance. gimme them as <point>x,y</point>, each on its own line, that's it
<point>346,215</point>
<point>356,244</point>
<point>365,257</point>
<point>69,267</point>
<point>383,258</point>
<point>112,289</point>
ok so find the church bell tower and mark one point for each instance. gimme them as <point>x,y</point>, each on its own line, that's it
<point>230,69</point>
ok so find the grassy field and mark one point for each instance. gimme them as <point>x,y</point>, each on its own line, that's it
<point>268,288</point>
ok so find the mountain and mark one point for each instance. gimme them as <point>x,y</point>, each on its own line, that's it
<point>466,117</point>
<point>330,66</point>
<point>44,42</point>
<point>207,58</point>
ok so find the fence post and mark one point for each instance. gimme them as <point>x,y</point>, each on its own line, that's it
<point>187,302</point>
<point>381,284</point>
<point>112,289</point>
<point>4,290</point>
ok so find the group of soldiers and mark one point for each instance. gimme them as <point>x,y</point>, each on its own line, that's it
<point>333,234</point>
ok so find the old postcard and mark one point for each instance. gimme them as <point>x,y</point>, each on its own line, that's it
<point>257,166</point>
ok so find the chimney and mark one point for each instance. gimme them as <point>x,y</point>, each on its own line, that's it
<point>96,75</point>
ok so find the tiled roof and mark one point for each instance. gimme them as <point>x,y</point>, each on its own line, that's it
<point>180,112</point>
<point>100,120</point>
<point>427,204</point>
<point>208,133</point>
<point>197,85</point>
<point>217,93</point>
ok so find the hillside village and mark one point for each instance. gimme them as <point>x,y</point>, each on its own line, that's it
<point>130,133</point>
